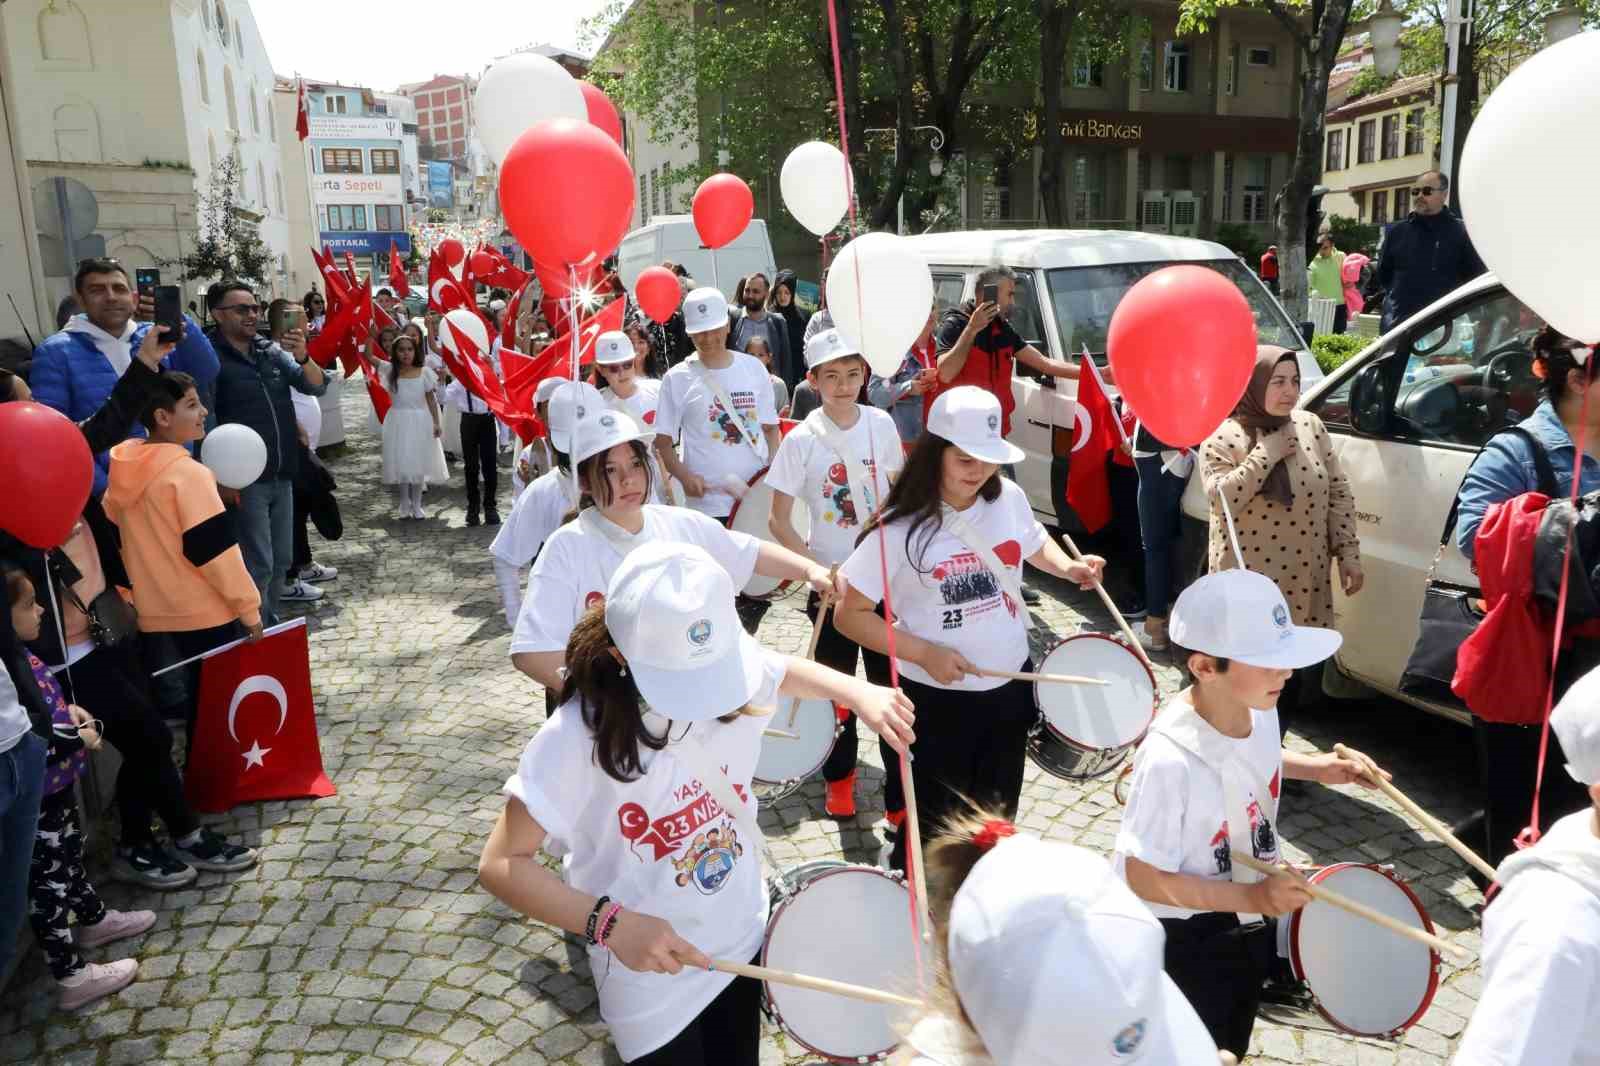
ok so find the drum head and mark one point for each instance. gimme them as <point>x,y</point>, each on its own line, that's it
<point>1366,980</point>
<point>750,516</point>
<point>783,759</point>
<point>1097,716</point>
<point>848,924</point>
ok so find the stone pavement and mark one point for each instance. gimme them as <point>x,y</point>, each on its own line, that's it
<point>364,937</point>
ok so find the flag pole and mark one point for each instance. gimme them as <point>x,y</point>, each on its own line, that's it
<point>218,650</point>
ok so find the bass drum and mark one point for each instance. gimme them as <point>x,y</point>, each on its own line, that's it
<point>786,763</point>
<point>750,515</point>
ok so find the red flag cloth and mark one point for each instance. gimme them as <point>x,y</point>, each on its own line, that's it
<point>343,332</point>
<point>350,270</point>
<point>302,117</point>
<point>337,286</point>
<point>1088,487</point>
<point>376,391</point>
<point>397,271</point>
<point>256,731</point>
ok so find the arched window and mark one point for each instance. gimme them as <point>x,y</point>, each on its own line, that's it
<point>211,150</point>
<point>261,183</point>
<point>278,178</point>
<point>227,92</point>
<point>255,113</point>
<point>77,132</point>
<point>205,81</point>
<point>272,127</point>
<point>238,39</point>
<point>64,37</point>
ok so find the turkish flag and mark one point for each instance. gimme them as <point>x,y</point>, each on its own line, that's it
<point>397,271</point>
<point>333,280</point>
<point>343,331</point>
<point>302,113</point>
<point>256,731</point>
<point>1095,438</point>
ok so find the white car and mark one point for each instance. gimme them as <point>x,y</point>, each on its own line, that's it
<point>1407,415</point>
<point>1068,284</point>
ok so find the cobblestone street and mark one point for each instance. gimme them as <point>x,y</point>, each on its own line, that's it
<point>364,937</point>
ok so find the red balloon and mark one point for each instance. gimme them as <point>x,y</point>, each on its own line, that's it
<point>566,191</point>
<point>657,293</point>
<point>1182,345</point>
<point>602,112</point>
<point>557,280</point>
<point>454,253</point>
<point>47,470</point>
<point>481,263</point>
<point>722,208</point>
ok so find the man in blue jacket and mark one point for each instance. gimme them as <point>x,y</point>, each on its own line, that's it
<point>1425,255</point>
<point>253,384</point>
<point>75,370</point>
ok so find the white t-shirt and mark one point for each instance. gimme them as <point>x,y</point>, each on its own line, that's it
<point>659,845</point>
<point>575,568</point>
<point>1540,1004</point>
<point>536,514</point>
<point>1176,819</point>
<point>713,446</point>
<point>308,413</point>
<point>810,471</point>
<point>642,404</point>
<point>945,594</point>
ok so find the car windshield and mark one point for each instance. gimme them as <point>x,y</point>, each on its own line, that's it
<point>1085,297</point>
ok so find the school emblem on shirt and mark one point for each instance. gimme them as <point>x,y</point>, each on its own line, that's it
<point>1129,1039</point>
<point>699,838</point>
<point>710,859</point>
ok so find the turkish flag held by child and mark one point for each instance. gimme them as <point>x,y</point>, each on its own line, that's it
<point>256,731</point>
<point>1095,437</point>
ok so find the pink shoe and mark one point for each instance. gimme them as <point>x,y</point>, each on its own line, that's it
<point>96,981</point>
<point>116,925</point>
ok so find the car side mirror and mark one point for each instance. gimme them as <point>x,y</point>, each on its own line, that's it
<point>1368,411</point>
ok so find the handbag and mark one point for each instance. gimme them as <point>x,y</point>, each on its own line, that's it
<point>112,619</point>
<point>1450,611</point>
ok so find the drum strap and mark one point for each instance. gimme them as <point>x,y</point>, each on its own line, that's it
<point>854,469</point>
<point>962,530</point>
<point>705,768</point>
<point>709,380</point>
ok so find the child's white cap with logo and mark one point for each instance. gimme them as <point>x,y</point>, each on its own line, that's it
<point>1241,615</point>
<point>603,430</point>
<point>969,418</point>
<point>704,309</point>
<point>570,402</point>
<point>613,347</point>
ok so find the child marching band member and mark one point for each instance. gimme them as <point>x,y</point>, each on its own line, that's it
<point>610,457</point>
<point>1206,783</point>
<point>956,537</point>
<point>1013,913</point>
<point>838,463</point>
<point>543,505</point>
<point>629,391</point>
<point>659,874</point>
<point>535,460</point>
<point>1540,1004</point>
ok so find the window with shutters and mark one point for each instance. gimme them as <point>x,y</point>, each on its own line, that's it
<point>1391,137</point>
<point>385,161</point>
<point>1414,142</point>
<point>1366,141</point>
<point>341,161</point>
<point>1335,157</point>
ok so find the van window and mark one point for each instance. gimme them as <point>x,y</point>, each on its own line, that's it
<point>947,291</point>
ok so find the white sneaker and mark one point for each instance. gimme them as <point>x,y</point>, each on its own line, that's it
<point>318,572</point>
<point>417,511</point>
<point>1153,637</point>
<point>301,592</point>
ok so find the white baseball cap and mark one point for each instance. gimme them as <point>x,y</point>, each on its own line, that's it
<point>1241,615</point>
<point>497,305</point>
<point>546,389</point>
<point>613,347</point>
<point>669,608</point>
<point>1576,721</point>
<point>601,431</point>
<point>704,309</point>
<point>570,402</point>
<point>1058,963</point>
<point>969,418</point>
<point>827,346</point>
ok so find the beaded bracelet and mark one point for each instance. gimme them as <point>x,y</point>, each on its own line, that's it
<point>594,919</point>
<point>608,923</point>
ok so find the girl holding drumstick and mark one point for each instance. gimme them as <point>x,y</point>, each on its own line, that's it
<point>956,534</point>
<point>655,870</point>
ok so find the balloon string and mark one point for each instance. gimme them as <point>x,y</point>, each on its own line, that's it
<point>572,318</point>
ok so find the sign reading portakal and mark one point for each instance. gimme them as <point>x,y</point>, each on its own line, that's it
<point>1093,129</point>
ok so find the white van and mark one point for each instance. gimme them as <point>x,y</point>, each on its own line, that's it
<point>673,237</point>
<point>1068,284</point>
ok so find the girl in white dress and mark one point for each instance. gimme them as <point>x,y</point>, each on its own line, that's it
<point>412,455</point>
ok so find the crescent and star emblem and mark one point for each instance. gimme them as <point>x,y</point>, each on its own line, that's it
<point>256,755</point>
<point>1082,426</point>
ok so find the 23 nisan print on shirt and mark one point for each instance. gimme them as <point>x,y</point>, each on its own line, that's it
<point>964,581</point>
<point>709,858</point>
<point>724,428</point>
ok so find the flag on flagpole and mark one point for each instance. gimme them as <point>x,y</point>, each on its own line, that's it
<point>397,271</point>
<point>302,116</point>
<point>1095,437</point>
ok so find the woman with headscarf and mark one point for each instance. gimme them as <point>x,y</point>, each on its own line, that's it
<point>1290,500</point>
<point>781,303</point>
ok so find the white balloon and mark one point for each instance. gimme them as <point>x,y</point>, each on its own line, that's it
<point>235,453</point>
<point>879,294</point>
<point>518,91</point>
<point>470,323</point>
<point>1523,160</point>
<point>816,183</point>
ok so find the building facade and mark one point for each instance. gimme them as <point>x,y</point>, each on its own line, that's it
<point>353,161</point>
<point>1374,149</point>
<point>134,104</point>
<point>444,116</point>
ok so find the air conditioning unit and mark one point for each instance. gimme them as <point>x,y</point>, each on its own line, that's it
<point>1154,211</point>
<point>1185,212</point>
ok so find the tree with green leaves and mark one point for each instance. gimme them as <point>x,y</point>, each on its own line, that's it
<point>229,244</point>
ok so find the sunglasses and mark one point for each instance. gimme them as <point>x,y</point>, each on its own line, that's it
<point>243,309</point>
<point>1423,190</point>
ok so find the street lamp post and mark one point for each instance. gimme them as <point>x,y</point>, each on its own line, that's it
<point>935,165</point>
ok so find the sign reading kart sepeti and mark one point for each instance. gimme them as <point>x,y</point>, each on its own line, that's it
<point>357,189</point>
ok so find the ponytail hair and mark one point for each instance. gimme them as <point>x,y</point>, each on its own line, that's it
<point>608,698</point>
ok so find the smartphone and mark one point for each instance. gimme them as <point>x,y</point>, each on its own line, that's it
<point>293,318</point>
<point>990,294</point>
<point>169,311</point>
<point>145,279</point>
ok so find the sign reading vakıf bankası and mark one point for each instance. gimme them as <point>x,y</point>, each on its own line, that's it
<point>1094,129</point>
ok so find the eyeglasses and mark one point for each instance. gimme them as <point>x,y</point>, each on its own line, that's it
<point>1423,190</point>
<point>243,309</point>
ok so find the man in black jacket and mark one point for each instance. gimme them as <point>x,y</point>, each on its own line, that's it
<point>1425,255</point>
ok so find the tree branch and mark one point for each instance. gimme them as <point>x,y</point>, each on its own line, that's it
<point>1286,18</point>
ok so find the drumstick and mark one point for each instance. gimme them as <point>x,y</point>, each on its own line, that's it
<point>1360,910</point>
<point>811,653</point>
<point>1429,822</point>
<point>1116,615</point>
<point>913,830</point>
<point>1062,679</point>
<point>784,733</point>
<point>816,984</point>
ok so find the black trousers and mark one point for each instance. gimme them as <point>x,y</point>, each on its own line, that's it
<point>1219,966</point>
<point>58,887</point>
<point>302,534</point>
<point>894,794</point>
<point>971,746</point>
<point>1508,759</point>
<point>478,440</point>
<point>168,648</point>
<point>109,684</point>
<point>726,1033</point>
<point>838,651</point>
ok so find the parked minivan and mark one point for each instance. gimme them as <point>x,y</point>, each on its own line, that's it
<point>673,237</point>
<point>1407,415</point>
<point>1068,284</point>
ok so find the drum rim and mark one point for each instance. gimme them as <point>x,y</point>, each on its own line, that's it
<point>1316,877</point>
<point>786,586</point>
<point>766,944</point>
<point>797,782</point>
<point>1155,690</point>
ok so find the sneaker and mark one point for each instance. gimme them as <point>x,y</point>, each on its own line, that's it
<point>1152,633</point>
<point>1137,612</point>
<point>491,517</point>
<point>1030,596</point>
<point>116,925</point>
<point>151,866</point>
<point>212,853</point>
<point>472,518</point>
<point>301,591</point>
<point>417,512</point>
<point>841,801</point>
<point>318,572</point>
<point>96,981</point>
